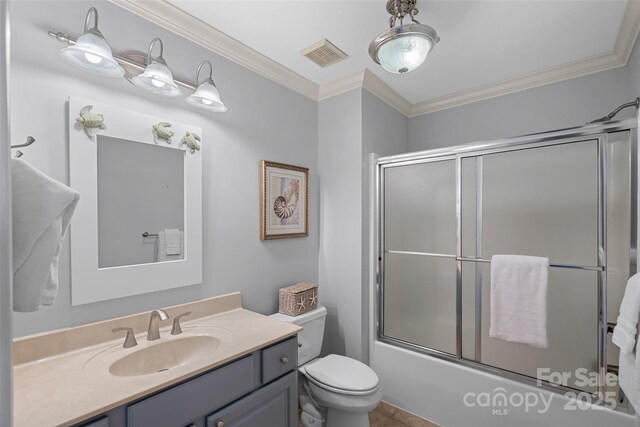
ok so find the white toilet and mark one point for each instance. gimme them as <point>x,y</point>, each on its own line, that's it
<point>335,391</point>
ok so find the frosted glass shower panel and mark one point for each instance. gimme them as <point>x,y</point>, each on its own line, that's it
<point>542,201</point>
<point>619,231</point>
<point>420,300</point>
<point>420,207</point>
<point>572,328</point>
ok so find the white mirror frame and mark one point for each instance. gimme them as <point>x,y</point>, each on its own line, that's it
<point>90,283</point>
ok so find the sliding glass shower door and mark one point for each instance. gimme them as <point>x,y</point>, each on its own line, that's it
<point>540,202</point>
<point>444,215</point>
<point>420,266</point>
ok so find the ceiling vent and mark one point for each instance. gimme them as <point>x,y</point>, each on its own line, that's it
<point>324,53</point>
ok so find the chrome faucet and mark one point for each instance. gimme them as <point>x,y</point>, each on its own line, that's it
<point>154,324</point>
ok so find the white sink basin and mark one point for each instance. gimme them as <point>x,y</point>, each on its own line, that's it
<point>165,355</point>
<point>194,346</point>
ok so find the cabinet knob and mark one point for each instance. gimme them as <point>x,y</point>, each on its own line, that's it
<point>284,360</point>
<point>219,423</point>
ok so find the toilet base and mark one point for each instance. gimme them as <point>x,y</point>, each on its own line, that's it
<point>336,418</point>
<point>309,420</point>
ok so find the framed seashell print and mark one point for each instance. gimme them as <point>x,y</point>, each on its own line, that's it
<point>285,201</point>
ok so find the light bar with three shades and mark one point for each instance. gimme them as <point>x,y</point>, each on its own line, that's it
<point>91,53</point>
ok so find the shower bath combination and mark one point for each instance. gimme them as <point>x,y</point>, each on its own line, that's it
<point>441,214</point>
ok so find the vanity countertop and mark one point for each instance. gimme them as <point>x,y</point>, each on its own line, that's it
<point>68,382</point>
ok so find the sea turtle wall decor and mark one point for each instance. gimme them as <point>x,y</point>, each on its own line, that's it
<point>161,131</point>
<point>91,122</point>
<point>191,140</point>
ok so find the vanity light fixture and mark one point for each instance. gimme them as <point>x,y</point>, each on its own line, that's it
<point>91,52</point>
<point>206,96</point>
<point>157,77</point>
<point>403,48</point>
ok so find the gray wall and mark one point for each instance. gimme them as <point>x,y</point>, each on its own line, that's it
<point>556,106</point>
<point>339,160</point>
<point>633,70</point>
<point>264,121</point>
<point>351,126</point>
<point>384,132</point>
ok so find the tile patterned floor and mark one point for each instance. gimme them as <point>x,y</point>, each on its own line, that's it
<point>386,415</point>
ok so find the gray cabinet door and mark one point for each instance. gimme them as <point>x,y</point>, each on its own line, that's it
<point>272,406</point>
<point>181,404</point>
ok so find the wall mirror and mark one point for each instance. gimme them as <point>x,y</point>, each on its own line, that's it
<point>138,225</point>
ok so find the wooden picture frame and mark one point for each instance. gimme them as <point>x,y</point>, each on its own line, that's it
<point>284,200</point>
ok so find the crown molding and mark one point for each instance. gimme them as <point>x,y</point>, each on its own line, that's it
<point>629,29</point>
<point>178,21</point>
<point>368,81</point>
<point>618,57</point>
<point>384,92</point>
<point>341,85</point>
<point>544,77</point>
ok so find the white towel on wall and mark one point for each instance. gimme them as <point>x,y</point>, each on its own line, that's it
<point>519,299</point>
<point>42,209</point>
<point>628,373</point>
<point>624,336</point>
<point>173,251</point>
<point>173,241</point>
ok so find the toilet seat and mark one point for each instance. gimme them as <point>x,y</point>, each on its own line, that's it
<point>342,375</point>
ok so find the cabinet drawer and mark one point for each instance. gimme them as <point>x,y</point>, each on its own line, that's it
<point>279,359</point>
<point>102,422</point>
<point>275,405</point>
<point>183,403</point>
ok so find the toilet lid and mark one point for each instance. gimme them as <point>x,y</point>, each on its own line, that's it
<point>343,373</point>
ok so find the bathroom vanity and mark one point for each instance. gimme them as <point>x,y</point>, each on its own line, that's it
<point>229,367</point>
<point>258,389</point>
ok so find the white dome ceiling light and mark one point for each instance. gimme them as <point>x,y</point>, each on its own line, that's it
<point>403,48</point>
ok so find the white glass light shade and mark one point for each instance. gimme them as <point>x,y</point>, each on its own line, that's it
<point>404,48</point>
<point>207,98</point>
<point>403,54</point>
<point>157,78</point>
<point>92,53</point>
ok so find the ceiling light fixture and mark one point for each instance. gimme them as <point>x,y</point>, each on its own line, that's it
<point>403,48</point>
<point>157,77</point>
<point>91,52</point>
<point>206,97</point>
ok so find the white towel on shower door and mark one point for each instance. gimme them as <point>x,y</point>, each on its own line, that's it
<point>519,299</point>
<point>42,209</point>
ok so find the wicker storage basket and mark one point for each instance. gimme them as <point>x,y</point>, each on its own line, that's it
<point>298,299</point>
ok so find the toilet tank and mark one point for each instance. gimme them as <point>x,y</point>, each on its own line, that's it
<point>310,339</point>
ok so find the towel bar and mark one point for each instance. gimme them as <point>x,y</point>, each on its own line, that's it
<point>30,140</point>
<point>147,234</point>
<point>575,267</point>
<point>488,261</point>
